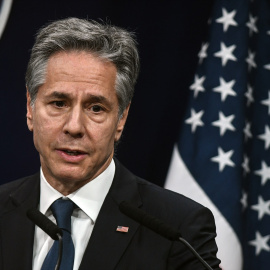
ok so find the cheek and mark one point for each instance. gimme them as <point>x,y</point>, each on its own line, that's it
<point>103,134</point>
<point>43,131</point>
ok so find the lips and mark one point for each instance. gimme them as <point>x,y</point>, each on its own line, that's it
<point>71,155</point>
<point>70,151</point>
<point>73,152</point>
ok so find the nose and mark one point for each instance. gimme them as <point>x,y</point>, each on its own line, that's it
<point>74,125</point>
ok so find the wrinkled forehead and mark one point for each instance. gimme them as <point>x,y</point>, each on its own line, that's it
<point>79,75</point>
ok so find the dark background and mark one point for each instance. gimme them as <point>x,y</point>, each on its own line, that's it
<point>169,34</point>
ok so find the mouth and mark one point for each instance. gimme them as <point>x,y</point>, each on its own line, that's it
<point>73,152</point>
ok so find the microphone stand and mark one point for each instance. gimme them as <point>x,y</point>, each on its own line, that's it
<point>60,252</point>
<point>195,253</point>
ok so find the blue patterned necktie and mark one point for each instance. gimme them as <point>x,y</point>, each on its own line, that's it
<point>62,210</point>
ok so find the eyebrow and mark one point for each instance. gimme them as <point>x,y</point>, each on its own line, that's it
<point>57,94</point>
<point>97,98</point>
<point>89,97</point>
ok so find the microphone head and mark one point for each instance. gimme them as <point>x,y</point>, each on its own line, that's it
<point>158,226</point>
<point>149,221</point>
<point>44,223</point>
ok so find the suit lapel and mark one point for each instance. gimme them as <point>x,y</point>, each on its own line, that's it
<point>105,240</point>
<point>17,231</point>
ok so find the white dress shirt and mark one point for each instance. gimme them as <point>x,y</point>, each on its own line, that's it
<point>88,198</point>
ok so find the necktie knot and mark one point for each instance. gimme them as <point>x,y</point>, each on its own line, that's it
<point>62,211</point>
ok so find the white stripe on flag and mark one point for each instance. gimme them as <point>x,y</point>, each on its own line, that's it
<point>180,180</point>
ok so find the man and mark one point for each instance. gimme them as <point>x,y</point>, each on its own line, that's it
<point>80,81</point>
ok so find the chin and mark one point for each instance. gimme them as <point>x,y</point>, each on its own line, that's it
<point>76,177</point>
<point>70,174</point>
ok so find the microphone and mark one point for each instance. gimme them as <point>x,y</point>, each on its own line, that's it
<point>48,227</point>
<point>159,227</point>
<point>44,223</point>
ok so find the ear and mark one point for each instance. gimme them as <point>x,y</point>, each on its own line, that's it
<point>29,114</point>
<point>121,124</point>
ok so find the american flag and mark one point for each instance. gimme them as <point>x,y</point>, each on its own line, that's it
<point>222,157</point>
<point>122,229</point>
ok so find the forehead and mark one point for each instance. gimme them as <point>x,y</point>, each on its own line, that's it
<point>79,63</point>
<point>77,70</point>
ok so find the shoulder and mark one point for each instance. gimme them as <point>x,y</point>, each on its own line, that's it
<point>12,185</point>
<point>19,185</point>
<point>166,201</point>
<point>163,203</point>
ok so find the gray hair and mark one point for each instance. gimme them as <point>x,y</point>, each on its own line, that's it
<point>108,42</point>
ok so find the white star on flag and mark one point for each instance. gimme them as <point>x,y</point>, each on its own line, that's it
<point>262,207</point>
<point>266,137</point>
<point>245,165</point>
<point>244,200</point>
<point>227,19</point>
<point>247,131</point>
<point>264,172</point>
<point>224,123</point>
<point>260,243</point>
<point>250,60</point>
<point>195,120</point>
<point>197,86</point>
<point>202,53</point>
<point>225,88</point>
<point>223,159</point>
<point>267,66</point>
<point>225,53</point>
<point>266,102</point>
<point>249,95</point>
<point>251,24</point>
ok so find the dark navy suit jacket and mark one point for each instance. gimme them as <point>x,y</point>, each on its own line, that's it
<point>139,249</point>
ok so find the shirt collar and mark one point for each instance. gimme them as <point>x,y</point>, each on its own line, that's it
<point>88,198</point>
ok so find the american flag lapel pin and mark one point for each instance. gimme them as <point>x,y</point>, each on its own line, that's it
<point>122,229</point>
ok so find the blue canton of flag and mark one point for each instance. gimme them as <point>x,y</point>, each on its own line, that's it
<point>224,144</point>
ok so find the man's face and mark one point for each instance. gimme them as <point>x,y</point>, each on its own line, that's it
<point>75,119</point>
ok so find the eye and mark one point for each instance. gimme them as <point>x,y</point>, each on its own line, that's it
<point>96,108</point>
<point>59,104</point>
